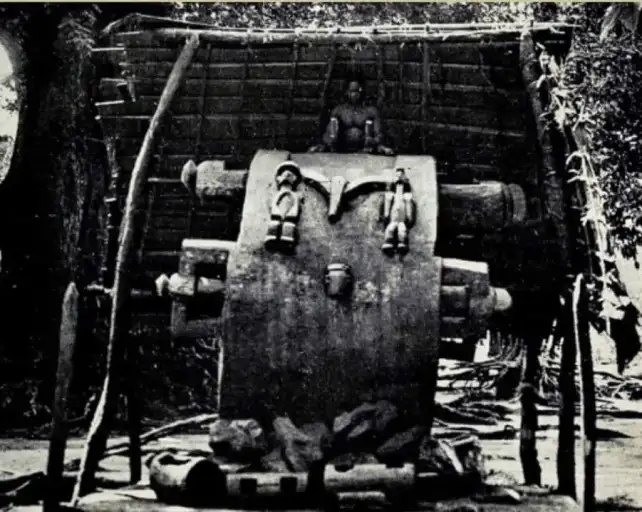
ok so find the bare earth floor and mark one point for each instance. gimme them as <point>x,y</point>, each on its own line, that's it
<point>619,483</point>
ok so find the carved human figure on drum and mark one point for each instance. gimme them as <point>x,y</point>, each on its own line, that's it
<point>354,127</point>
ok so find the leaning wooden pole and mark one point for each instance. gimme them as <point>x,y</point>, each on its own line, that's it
<point>99,430</point>
<point>64,374</point>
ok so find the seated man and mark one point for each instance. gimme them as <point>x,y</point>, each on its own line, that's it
<point>354,127</point>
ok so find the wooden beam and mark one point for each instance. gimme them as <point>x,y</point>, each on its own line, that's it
<point>100,426</point>
<point>374,34</point>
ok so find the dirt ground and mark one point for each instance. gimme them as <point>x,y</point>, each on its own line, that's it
<point>619,458</point>
<point>619,449</point>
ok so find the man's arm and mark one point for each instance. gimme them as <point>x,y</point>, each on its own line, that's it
<point>377,130</point>
<point>331,130</point>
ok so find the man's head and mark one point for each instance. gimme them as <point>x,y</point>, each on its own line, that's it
<point>354,90</point>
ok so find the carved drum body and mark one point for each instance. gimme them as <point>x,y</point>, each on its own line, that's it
<point>339,313</point>
<point>310,353</point>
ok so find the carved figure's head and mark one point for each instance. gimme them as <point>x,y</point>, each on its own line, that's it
<point>288,174</point>
<point>400,175</point>
<point>338,280</point>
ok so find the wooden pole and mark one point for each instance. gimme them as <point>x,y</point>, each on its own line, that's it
<point>587,392</point>
<point>566,435</point>
<point>99,430</point>
<point>528,430</point>
<point>64,374</point>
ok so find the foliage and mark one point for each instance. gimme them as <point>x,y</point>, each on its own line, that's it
<point>624,15</point>
<point>598,99</point>
<point>316,15</point>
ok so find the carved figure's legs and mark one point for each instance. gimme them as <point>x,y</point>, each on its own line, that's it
<point>402,238</point>
<point>289,234</point>
<point>409,209</point>
<point>282,230</point>
<point>390,239</point>
<point>273,235</point>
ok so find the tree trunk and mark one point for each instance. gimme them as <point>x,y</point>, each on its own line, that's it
<point>51,199</point>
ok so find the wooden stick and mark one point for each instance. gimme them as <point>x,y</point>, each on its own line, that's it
<point>64,374</point>
<point>566,438</point>
<point>134,407</point>
<point>99,430</point>
<point>528,430</point>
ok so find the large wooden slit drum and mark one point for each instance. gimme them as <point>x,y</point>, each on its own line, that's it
<point>291,347</point>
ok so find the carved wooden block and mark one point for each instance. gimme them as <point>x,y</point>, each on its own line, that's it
<point>202,271</point>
